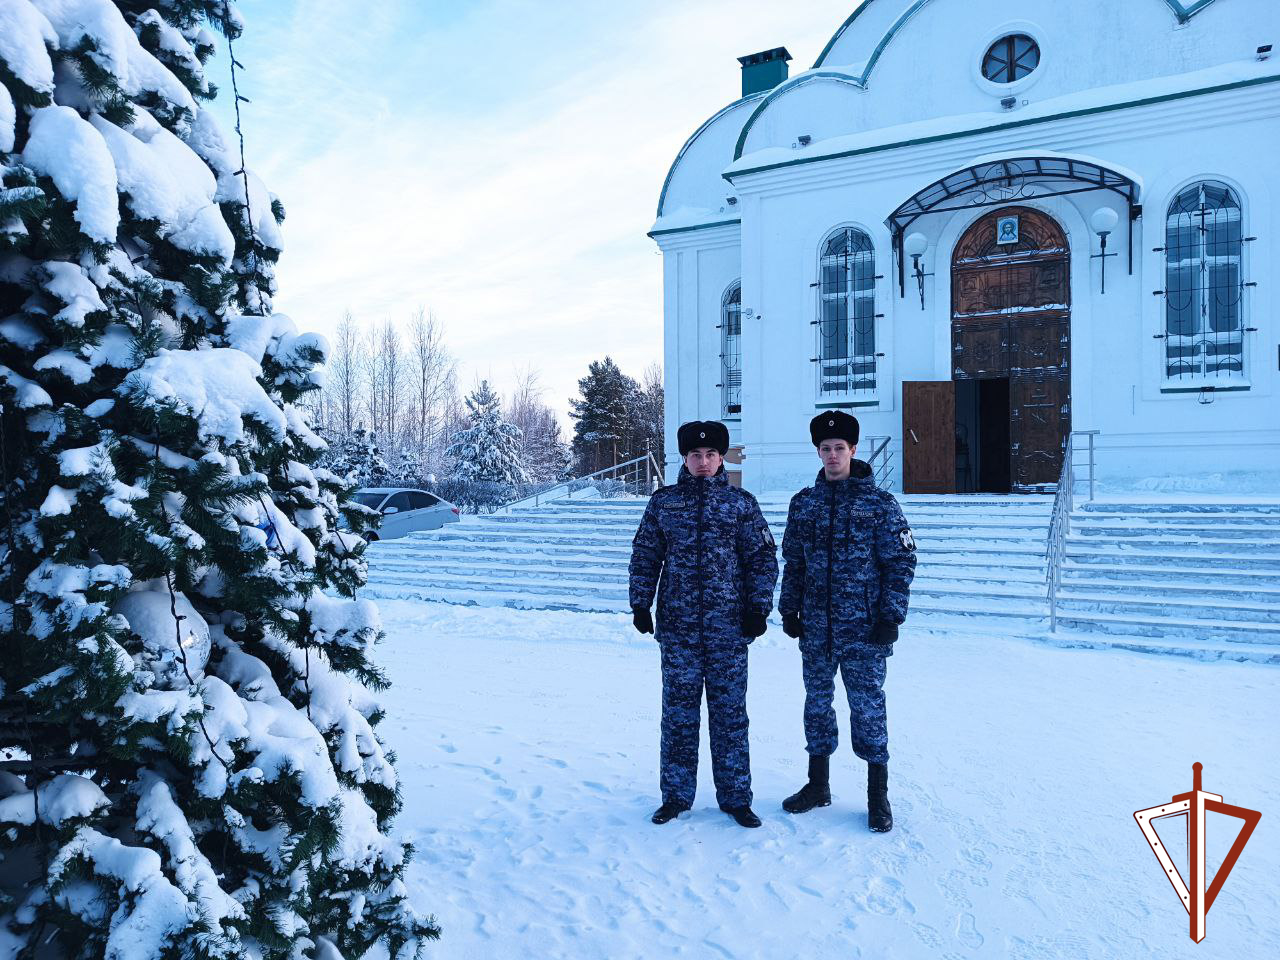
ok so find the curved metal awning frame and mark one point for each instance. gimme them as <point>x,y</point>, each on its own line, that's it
<point>998,182</point>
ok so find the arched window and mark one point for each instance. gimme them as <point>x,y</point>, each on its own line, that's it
<point>1204,288</point>
<point>731,351</point>
<point>847,316</point>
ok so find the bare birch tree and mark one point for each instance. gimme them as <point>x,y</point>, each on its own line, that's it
<point>431,372</point>
<point>344,373</point>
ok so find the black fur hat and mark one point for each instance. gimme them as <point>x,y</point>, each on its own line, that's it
<point>703,433</point>
<point>834,425</point>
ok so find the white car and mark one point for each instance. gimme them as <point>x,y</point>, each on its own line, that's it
<point>405,510</point>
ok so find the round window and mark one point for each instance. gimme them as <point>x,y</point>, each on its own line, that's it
<point>1011,58</point>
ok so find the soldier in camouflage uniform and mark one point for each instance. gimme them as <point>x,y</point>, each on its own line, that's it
<point>718,564</point>
<point>849,559</point>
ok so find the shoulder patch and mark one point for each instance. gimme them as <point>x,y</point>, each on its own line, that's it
<point>908,540</point>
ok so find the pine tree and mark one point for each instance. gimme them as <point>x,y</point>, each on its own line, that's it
<point>604,418</point>
<point>189,763</point>
<point>489,449</point>
<point>546,454</point>
<point>357,457</point>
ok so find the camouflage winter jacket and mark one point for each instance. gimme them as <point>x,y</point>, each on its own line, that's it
<point>716,556</point>
<point>849,558</point>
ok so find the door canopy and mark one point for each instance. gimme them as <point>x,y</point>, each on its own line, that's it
<point>1017,179</point>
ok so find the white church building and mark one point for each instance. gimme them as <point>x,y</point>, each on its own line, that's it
<point>982,228</point>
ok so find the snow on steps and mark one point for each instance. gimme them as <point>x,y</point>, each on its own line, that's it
<point>1190,579</point>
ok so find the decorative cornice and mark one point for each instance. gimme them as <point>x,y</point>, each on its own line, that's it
<point>689,229</point>
<point>1007,125</point>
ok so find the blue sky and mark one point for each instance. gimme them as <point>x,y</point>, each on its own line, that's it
<point>496,161</point>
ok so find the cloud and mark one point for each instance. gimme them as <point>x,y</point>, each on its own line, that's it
<point>498,162</point>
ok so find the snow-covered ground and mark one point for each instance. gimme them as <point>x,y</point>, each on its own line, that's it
<point>528,745</point>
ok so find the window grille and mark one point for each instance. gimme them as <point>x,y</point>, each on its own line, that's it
<point>846,323</point>
<point>1204,288</point>
<point>1011,58</point>
<point>731,351</point>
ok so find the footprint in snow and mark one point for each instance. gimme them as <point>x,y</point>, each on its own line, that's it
<point>885,897</point>
<point>927,935</point>
<point>952,887</point>
<point>976,858</point>
<point>967,932</point>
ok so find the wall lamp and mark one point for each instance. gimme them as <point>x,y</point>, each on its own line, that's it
<point>914,247</point>
<point>1104,220</point>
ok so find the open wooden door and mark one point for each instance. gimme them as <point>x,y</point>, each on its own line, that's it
<point>928,436</point>
<point>733,465</point>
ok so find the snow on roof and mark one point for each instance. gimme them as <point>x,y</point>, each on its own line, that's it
<point>697,165</point>
<point>875,22</point>
<point>687,218</point>
<point>907,134</point>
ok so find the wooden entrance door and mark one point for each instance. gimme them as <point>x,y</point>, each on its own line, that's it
<point>1011,317</point>
<point>928,437</point>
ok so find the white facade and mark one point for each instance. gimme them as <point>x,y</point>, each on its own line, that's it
<point>1160,95</point>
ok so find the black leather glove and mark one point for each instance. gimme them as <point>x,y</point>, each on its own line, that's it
<point>753,624</point>
<point>884,633</point>
<point>792,626</point>
<point>643,619</point>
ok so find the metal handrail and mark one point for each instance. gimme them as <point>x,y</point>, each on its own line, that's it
<point>880,451</point>
<point>652,471</point>
<point>1060,524</point>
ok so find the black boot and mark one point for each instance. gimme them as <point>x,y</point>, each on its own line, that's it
<point>667,812</point>
<point>815,793</point>
<point>744,815</point>
<point>879,813</point>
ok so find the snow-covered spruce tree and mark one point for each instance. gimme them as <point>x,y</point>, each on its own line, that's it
<point>604,416</point>
<point>357,457</point>
<point>188,760</point>
<point>488,450</point>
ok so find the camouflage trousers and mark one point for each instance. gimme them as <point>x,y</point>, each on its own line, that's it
<point>686,669</point>
<point>864,684</point>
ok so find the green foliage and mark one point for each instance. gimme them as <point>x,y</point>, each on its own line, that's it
<point>114,489</point>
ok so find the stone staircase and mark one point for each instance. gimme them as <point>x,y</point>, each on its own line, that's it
<point>1194,580</point>
<point>1202,579</point>
<point>1188,579</point>
<point>980,557</point>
